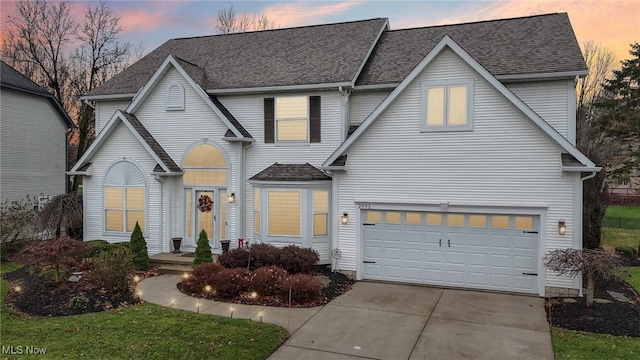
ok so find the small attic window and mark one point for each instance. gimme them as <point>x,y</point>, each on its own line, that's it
<point>175,97</point>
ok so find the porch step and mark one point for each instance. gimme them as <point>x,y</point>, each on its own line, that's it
<point>174,270</point>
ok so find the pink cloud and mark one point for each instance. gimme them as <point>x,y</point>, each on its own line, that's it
<point>614,24</point>
<point>305,13</point>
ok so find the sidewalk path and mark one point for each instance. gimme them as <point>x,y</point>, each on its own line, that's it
<point>161,290</point>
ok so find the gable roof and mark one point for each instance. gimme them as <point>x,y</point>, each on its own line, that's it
<point>290,172</point>
<point>541,44</point>
<point>445,43</point>
<point>188,74</point>
<point>10,78</point>
<point>165,163</point>
<point>320,54</point>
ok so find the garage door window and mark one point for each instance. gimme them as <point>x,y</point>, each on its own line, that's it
<point>392,217</point>
<point>479,221</point>
<point>455,220</point>
<point>414,218</point>
<point>374,216</point>
<point>434,219</point>
<point>499,222</point>
<point>524,223</point>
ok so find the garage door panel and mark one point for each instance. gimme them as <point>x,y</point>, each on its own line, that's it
<point>471,251</point>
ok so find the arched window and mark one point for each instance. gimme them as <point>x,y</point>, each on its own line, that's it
<point>124,197</point>
<point>205,165</point>
<point>175,97</point>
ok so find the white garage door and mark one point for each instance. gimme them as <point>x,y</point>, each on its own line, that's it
<point>484,251</point>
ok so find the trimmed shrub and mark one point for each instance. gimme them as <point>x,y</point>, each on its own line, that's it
<point>230,283</point>
<point>138,247</point>
<point>97,247</point>
<point>265,280</point>
<point>203,250</point>
<point>305,288</point>
<point>202,276</point>
<point>111,269</point>
<point>627,251</point>
<point>235,258</point>
<point>61,254</point>
<point>297,260</point>
<point>264,255</point>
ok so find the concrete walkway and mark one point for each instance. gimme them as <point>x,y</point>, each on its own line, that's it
<point>389,321</point>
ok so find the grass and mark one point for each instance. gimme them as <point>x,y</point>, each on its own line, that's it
<point>622,217</point>
<point>144,331</point>
<point>570,344</point>
<point>612,237</point>
<point>633,278</point>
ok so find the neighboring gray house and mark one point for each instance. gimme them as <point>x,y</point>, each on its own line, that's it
<point>33,139</point>
<point>439,155</point>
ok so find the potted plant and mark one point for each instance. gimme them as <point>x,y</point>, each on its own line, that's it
<point>177,242</point>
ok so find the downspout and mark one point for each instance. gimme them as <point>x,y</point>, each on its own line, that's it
<point>343,113</point>
<point>243,191</point>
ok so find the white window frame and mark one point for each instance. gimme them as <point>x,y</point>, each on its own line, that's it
<point>446,85</point>
<point>123,185</point>
<point>276,120</point>
<point>314,213</point>
<point>181,100</point>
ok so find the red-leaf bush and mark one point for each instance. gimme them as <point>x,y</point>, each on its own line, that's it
<point>230,283</point>
<point>235,258</point>
<point>297,260</point>
<point>61,254</point>
<point>305,288</point>
<point>265,255</point>
<point>202,276</point>
<point>265,280</point>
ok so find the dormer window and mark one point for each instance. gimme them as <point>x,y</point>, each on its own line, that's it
<point>175,97</point>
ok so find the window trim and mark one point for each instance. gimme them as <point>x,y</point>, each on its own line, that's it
<point>144,185</point>
<point>179,106</point>
<point>275,121</point>
<point>446,84</point>
<point>314,213</point>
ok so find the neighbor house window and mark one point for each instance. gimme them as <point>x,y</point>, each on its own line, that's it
<point>284,212</point>
<point>447,106</point>
<point>292,119</point>
<point>124,197</point>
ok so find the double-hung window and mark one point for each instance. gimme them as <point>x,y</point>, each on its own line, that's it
<point>292,120</point>
<point>447,106</point>
<point>124,197</point>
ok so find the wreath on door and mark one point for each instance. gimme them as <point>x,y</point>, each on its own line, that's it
<point>205,203</point>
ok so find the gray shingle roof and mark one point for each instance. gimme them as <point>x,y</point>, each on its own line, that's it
<point>151,141</point>
<point>290,172</point>
<point>527,45</point>
<point>231,118</point>
<point>295,56</point>
<point>12,79</point>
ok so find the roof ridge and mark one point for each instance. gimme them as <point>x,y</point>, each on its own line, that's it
<point>278,29</point>
<point>477,22</point>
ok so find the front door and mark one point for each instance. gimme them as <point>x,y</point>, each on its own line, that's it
<point>205,210</point>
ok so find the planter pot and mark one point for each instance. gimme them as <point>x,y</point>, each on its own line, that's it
<point>177,241</point>
<point>225,245</point>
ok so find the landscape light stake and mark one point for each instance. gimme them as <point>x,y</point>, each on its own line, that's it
<point>260,314</point>
<point>231,309</point>
<point>173,302</point>
<point>198,309</point>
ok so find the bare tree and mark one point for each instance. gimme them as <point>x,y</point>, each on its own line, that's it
<point>68,59</point>
<point>228,22</point>
<point>62,212</point>
<point>593,141</point>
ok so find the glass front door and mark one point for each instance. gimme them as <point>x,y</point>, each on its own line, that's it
<point>205,211</point>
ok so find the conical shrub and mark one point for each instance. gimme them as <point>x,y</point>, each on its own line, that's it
<point>203,250</point>
<point>138,246</point>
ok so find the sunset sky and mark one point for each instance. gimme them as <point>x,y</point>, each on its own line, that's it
<point>615,24</point>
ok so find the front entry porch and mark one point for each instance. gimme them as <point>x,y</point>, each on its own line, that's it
<point>176,264</point>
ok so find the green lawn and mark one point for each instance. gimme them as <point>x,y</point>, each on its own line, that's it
<point>623,211</point>
<point>143,331</point>
<point>570,344</point>
<point>633,278</point>
<point>612,237</point>
<point>622,217</point>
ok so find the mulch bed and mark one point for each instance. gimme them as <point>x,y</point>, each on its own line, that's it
<point>338,284</point>
<point>40,297</point>
<point>615,318</point>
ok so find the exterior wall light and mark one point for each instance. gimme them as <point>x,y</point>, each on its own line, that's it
<point>231,198</point>
<point>562,227</point>
<point>344,218</point>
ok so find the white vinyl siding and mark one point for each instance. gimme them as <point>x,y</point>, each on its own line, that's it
<point>105,110</point>
<point>361,104</point>
<point>549,99</point>
<point>32,145</point>
<point>505,162</point>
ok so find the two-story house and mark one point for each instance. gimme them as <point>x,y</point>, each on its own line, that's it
<point>33,139</point>
<point>438,155</point>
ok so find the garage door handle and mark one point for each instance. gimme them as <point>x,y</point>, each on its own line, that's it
<point>369,262</point>
<point>530,274</point>
<point>440,242</point>
<point>449,242</point>
<point>530,232</point>
<point>369,224</point>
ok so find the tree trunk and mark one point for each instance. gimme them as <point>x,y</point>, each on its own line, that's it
<point>591,288</point>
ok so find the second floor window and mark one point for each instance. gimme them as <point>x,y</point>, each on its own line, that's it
<point>292,119</point>
<point>447,106</point>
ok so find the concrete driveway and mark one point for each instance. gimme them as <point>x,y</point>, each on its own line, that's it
<point>387,321</point>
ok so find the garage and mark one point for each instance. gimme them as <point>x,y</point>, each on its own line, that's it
<point>480,251</point>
